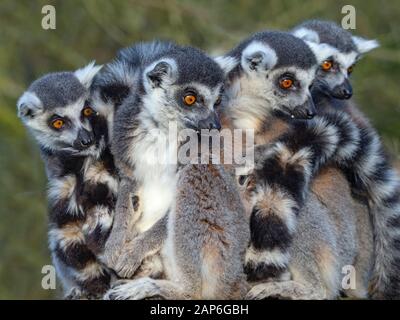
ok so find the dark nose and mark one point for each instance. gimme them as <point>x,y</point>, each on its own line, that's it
<point>311,111</point>
<point>347,93</point>
<point>211,122</point>
<point>85,138</point>
<point>343,91</point>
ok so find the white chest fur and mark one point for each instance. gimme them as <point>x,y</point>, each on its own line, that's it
<point>155,172</point>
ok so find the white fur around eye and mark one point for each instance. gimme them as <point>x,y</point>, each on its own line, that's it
<point>322,51</point>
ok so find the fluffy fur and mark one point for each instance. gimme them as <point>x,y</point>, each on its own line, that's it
<point>82,178</point>
<point>165,191</point>
<point>374,174</point>
<point>333,231</point>
<point>298,151</point>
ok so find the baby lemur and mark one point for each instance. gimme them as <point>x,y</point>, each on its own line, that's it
<point>82,178</point>
<point>339,51</point>
<point>200,233</point>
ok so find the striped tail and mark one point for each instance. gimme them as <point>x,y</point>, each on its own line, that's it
<point>279,186</point>
<point>371,172</point>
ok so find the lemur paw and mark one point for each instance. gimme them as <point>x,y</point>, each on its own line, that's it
<point>144,288</point>
<point>74,294</point>
<point>78,294</point>
<point>282,290</point>
<point>127,264</point>
<point>108,258</point>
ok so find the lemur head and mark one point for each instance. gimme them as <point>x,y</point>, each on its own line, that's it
<point>121,77</point>
<point>337,52</point>
<point>56,109</point>
<point>182,85</point>
<point>276,69</point>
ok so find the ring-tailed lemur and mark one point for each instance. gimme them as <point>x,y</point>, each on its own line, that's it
<point>270,83</point>
<point>254,95</point>
<point>82,178</point>
<point>202,235</point>
<point>339,51</point>
<point>207,236</point>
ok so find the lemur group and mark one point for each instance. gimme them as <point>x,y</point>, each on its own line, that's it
<point>321,198</point>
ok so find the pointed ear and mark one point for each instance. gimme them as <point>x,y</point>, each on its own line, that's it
<point>160,72</point>
<point>86,74</point>
<point>29,105</point>
<point>365,45</point>
<point>258,56</point>
<point>226,63</point>
<point>307,35</point>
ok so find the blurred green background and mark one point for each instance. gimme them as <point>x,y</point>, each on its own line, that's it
<point>91,29</point>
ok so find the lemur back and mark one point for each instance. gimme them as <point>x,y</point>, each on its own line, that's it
<point>208,208</point>
<point>82,177</point>
<point>375,177</point>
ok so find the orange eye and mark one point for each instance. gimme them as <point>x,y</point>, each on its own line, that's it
<point>327,65</point>
<point>87,112</point>
<point>286,83</point>
<point>350,70</point>
<point>58,124</point>
<point>190,99</point>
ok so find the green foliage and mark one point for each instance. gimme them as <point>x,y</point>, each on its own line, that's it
<point>92,29</point>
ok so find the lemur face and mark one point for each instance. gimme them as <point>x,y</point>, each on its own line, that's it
<point>333,74</point>
<point>337,52</point>
<point>177,92</point>
<point>279,69</point>
<point>56,109</point>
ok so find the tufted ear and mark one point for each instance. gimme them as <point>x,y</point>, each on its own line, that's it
<point>365,45</point>
<point>29,105</point>
<point>258,56</point>
<point>306,35</point>
<point>86,74</point>
<point>226,63</point>
<point>160,72</point>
